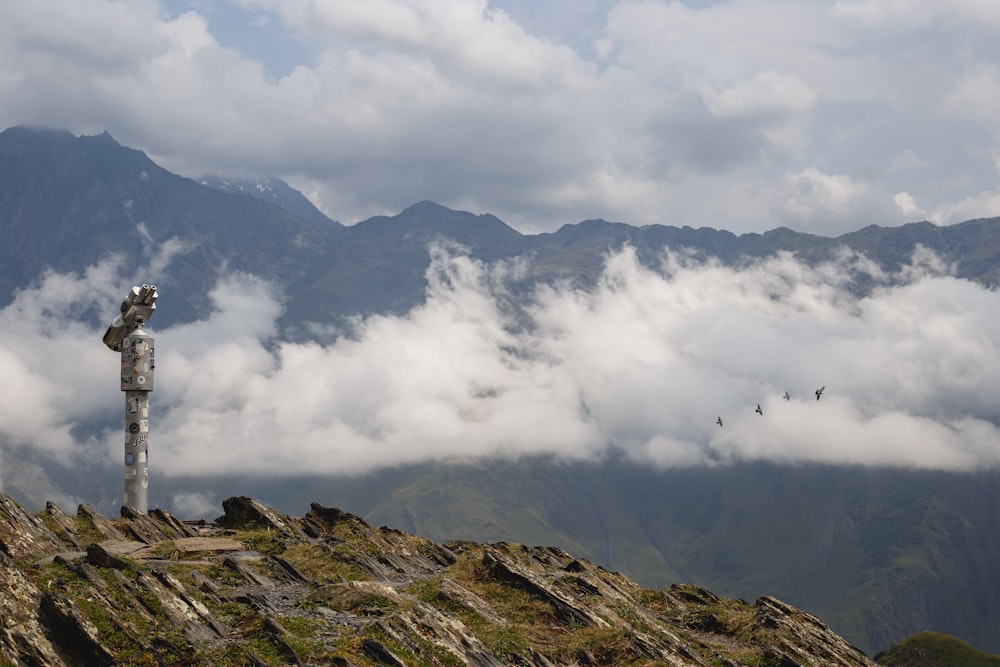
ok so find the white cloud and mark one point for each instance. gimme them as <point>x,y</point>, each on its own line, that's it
<point>907,159</point>
<point>908,14</point>
<point>43,323</point>
<point>814,200</point>
<point>190,32</point>
<point>195,504</point>
<point>767,93</point>
<point>976,94</point>
<point>464,37</point>
<point>47,34</point>
<point>642,364</point>
<point>908,205</point>
<point>980,205</point>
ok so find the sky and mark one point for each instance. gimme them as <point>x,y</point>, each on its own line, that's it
<point>824,116</point>
<point>640,368</point>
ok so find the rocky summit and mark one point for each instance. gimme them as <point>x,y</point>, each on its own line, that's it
<point>255,587</point>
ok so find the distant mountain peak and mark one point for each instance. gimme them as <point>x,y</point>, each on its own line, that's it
<point>426,205</point>
<point>270,189</point>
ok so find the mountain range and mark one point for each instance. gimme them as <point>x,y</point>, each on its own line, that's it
<point>879,554</point>
<point>69,201</point>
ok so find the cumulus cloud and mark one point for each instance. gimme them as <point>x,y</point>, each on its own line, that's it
<point>908,205</point>
<point>903,14</point>
<point>813,200</point>
<point>980,205</point>
<point>640,366</point>
<point>487,105</point>
<point>975,92</point>
<point>51,368</point>
<point>768,93</point>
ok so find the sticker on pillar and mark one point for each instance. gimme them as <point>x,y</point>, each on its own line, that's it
<point>130,472</point>
<point>133,428</point>
<point>140,380</point>
<point>142,457</point>
<point>145,479</point>
<point>133,404</point>
<point>130,458</point>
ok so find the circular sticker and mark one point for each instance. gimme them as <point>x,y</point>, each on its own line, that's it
<point>141,379</point>
<point>133,428</point>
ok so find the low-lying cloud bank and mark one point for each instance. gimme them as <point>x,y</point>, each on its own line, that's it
<point>641,366</point>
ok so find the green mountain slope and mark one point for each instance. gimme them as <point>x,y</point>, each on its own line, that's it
<point>933,649</point>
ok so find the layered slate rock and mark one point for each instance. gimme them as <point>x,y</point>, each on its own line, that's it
<point>809,639</point>
<point>158,526</point>
<point>245,512</point>
<point>65,526</point>
<point>24,535</point>
<point>24,636</point>
<point>257,587</point>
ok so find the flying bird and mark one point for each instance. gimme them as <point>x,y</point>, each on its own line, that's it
<point>819,392</point>
<point>787,396</point>
<point>758,410</point>
<point>719,421</point>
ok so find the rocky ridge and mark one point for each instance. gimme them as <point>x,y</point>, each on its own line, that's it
<point>259,588</point>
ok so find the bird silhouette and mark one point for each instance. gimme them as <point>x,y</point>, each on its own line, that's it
<point>758,410</point>
<point>819,392</point>
<point>787,396</point>
<point>719,421</point>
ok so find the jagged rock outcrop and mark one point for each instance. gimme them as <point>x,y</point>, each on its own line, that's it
<point>24,535</point>
<point>329,589</point>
